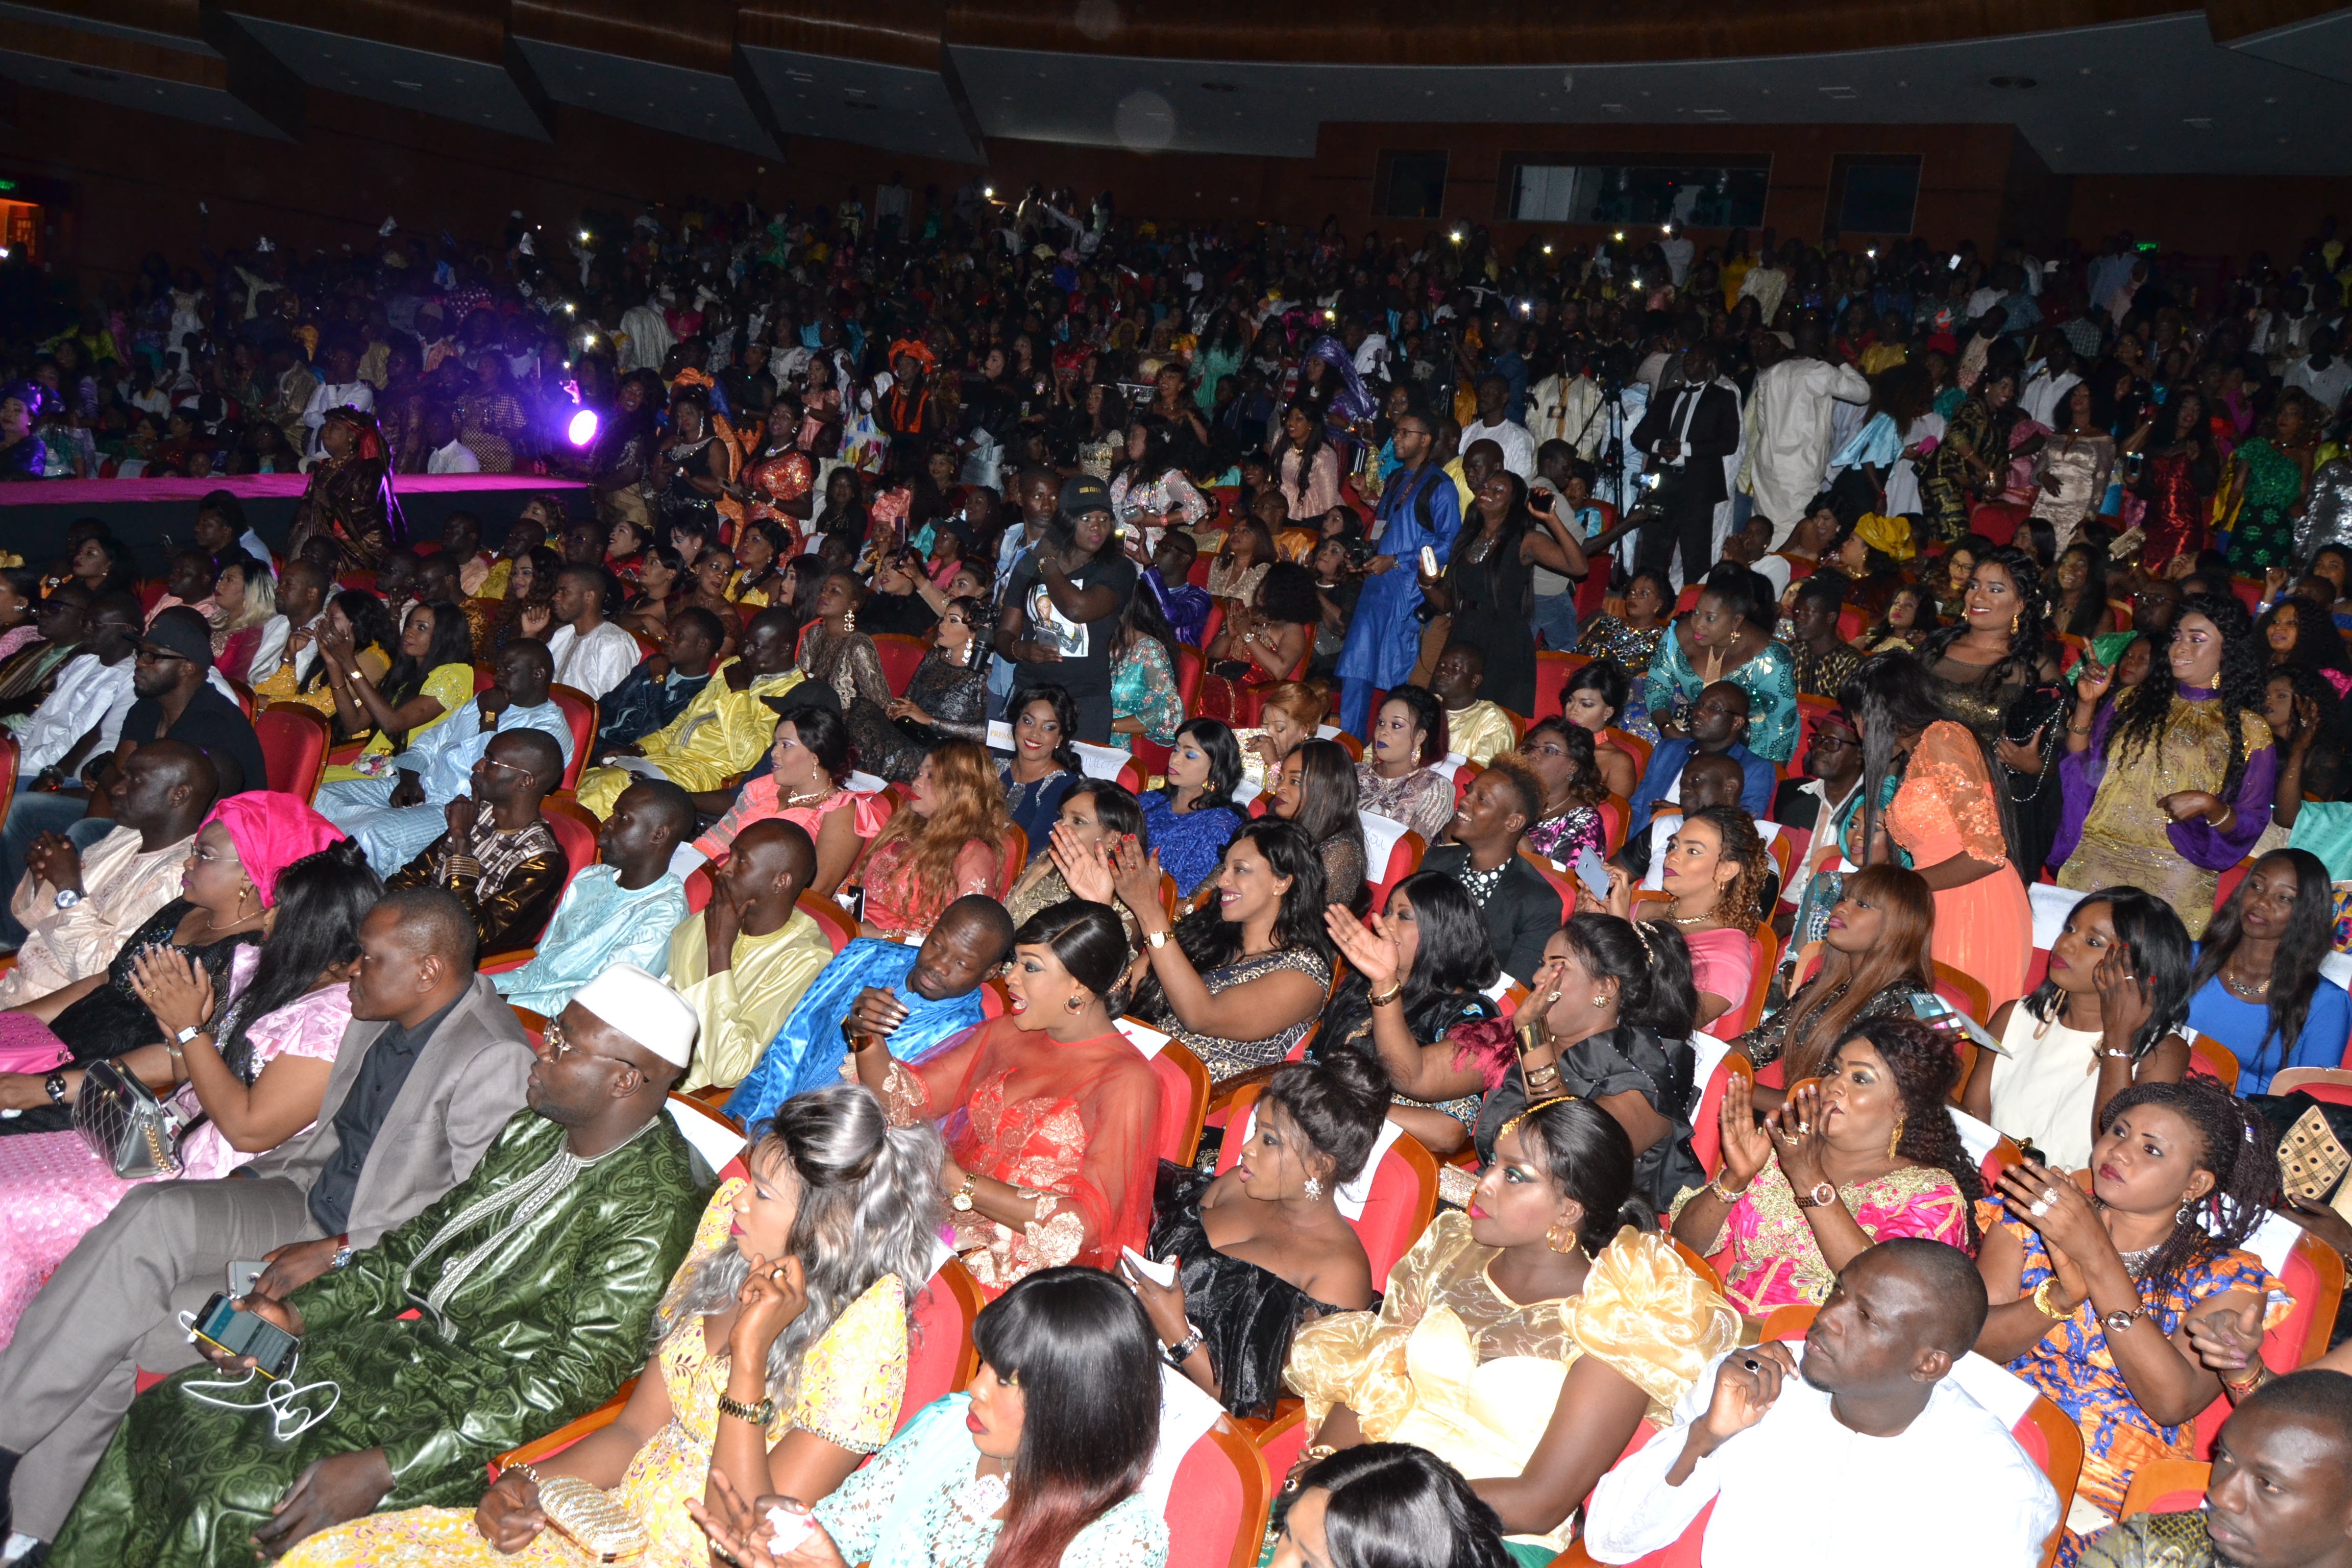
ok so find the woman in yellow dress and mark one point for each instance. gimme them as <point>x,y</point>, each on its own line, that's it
<point>366,623</point>
<point>782,1358</point>
<point>432,678</point>
<point>1525,1341</point>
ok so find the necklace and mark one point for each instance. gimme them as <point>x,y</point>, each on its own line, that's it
<point>2251,990</point>
<point>1688,921</point>
<point>811,798</point>
<point>2134,1262</point>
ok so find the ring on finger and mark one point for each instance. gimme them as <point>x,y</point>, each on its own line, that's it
<point>2037,1208</point>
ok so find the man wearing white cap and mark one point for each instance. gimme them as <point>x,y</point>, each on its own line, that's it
<point>534,1282</point>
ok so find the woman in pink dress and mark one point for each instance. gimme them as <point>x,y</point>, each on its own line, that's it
<point>1868,1151</point>
<point>253,1074</point>
<point>946,841</point>
<point>1947,819</point>
<point>810,765</point>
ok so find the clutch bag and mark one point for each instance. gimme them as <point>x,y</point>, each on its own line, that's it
<point>593,1520</point>
<point>125,1125</point>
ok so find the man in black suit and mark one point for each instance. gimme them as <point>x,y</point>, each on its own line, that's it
<point>1687,432</point>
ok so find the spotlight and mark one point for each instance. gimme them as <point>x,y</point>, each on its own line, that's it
<point>570,309</point>
<point>581,428</point>
<point>988,192</point>
<point>583,236</point>
<point>1546,250</point>
<point>1667,229</point>
<point>1458,236</point>
<point>1621,237</point>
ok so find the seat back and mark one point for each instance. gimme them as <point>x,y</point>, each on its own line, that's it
<point>1706,1121</point>
<point>2227,883</point>
<point>294,741</point>
<point>579,716</point>
<point>697,890</point>
<point>1016,858</point>
<point>1965,992</point>
<point>1616,814</point>
<point>2211,1058</point>
<point>1218,1505</point>
<point>1404,1196</point>
<point>2167,1486</point>
<point>1764,949</point>
<point>899,654</point>
<point>575,830</point>
<point>831,918</point>
<point>1183,1101</point>
<point>2333,1084</point>
<point>2314,1275</point>
<point>1632,745</point>
<point>1552,670</point>
<point>941,1358</point>
<point>1189,668</point>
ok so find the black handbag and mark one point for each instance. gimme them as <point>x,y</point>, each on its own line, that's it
<point>2037,708</point>
<point>125,1125</point>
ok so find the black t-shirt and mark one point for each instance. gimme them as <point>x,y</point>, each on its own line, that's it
<point>904,613</point>
<point>1085,649</point>
<point>214,726</point>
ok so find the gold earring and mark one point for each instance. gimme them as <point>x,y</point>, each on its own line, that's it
<point>1894,1138</point>
<point>1552,1240</point>
<point>2016,621</point>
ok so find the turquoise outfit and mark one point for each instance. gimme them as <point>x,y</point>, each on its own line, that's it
<point>807,1050</point>
<point>1672,687</point>
<point>599,924</point>
<point>1143,685</point>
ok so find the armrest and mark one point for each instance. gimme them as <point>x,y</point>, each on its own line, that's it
<point>563,1437</point>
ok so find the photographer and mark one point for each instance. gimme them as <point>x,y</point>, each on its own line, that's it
<point>1688,434</point>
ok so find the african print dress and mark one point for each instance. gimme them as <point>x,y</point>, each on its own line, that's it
<point>2264,534</point>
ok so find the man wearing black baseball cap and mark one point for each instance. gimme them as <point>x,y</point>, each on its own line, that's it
<point>176,702</point>
<point>1060,619</point>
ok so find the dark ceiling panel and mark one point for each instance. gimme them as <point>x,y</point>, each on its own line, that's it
<point>219,78</point>
<point>455,86</point>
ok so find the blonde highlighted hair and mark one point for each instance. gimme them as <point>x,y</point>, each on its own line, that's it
<point>970,805</point>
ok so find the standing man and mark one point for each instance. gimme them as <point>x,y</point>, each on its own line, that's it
<point>1420,509</point>
<point>1063,604</point>
<point>1496,424</point>
<point>1788,439</point>
<point>1688,431</point>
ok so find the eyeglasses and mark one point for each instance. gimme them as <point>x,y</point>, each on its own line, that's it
<point>561,1043</point>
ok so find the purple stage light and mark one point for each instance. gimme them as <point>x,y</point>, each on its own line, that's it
<point>582,427</point>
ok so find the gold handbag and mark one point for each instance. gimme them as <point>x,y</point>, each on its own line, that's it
<point>594,1519</point>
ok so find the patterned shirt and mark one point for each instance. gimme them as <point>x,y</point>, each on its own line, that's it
<point>508,881</point>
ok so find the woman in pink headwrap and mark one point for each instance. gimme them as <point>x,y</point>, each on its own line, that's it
<point>230,1003</point>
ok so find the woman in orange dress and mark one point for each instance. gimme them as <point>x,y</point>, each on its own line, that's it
<point>1049,1113</point>
<point>946,841</point>
<point>1946,817</point>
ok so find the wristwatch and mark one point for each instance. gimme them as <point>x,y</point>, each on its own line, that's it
<point>1818,1196</point>
<point>342,1258</point>
<point>190,1033</point>
<point>2116,1322</point>
<point>758,1414</point>
<point>1157,940</point>
<point>961,1202</point>
<point>68,898</point>
<point>54,1086</point>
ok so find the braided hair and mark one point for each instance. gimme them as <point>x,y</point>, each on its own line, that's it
<point>2143,712</point>
<point>2236,1145</point>
<point>1924,1067</point>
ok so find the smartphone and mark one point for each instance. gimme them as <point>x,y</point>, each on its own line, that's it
<point>1540,499</point>
<point>1428,561</point>
<point>1592,874</point>
<point>1158,1273</point>
<point>231,1329</point>
<point>243,1274</point>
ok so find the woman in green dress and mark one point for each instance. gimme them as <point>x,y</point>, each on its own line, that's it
<point>2266,484</point>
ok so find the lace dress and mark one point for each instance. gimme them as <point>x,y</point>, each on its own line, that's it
<point>851,1382</point>
<point>846,662</point>
<point>955,696</point>
<point>1946,807</point>
<point>1230,1059</point>
<point>1423,799</point>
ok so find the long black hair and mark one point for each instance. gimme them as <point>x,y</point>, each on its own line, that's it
<point>1065,714</point>
<point>1590,1159</point>
<point>372,627</point>
<point>1453,964</point>
<point>1395,1505</point>
<point>1328,806</point>
<point>1428,716</point>
<point>1890,695</point>
<point>1924,1067</point>
<point>1076,1341</point>
<point>1212,942</point>
<point>2238,1148</point>
<point>2157,947</point>
<point>452,643</point>
<point>2028,640</point>
<point>1224,749</point>
<point>320,901</point>
<point>2294,968</point>
<point>1651,963</point>
<point>2142,713</point>
<point>822,731</point>
<point>2085,618</point>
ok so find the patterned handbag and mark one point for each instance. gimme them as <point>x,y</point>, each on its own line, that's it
<point>593,1520</point>
<point>125,1125</point>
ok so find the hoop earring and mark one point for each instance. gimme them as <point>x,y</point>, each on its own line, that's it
<point>1894,1138</point>
<point>2186,1213</point>
<point>1551,1239</point>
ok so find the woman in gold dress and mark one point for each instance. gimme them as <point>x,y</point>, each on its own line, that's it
<point>782,1361</point>
<point>1525,1340</point>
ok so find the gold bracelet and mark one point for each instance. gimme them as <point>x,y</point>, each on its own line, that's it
<point>526,1472</point>
<point>2041,1301</point>
<point>1395,990</point>
<point>1714,1184</point>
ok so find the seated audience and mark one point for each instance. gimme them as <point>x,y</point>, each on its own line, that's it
<point>949,839</point>
<point>1873,965</point>
<point>1064,1416</point>
<point>1716,872</point>
<point>656,692</point>
<point>914,999</point>
<point>177,701</point>
<point>620,910</point>
<point>1593,700</point>
<point>1315,787</point>
<point>1268,638</point>
<point>375,1157</point>
<point>1522,909</point>
<point>717,735</point>
<point>1867,1152</point>
<point>1191,817</point>
<point>1044,762</point>
<point>2278,1492</point>
<point>252,633</point>
<point>1727,637</point>
<point>248,1074</point>
<point>1568,823</point>
<point>1523,1342</point>
<point>947,697</point>
<point>396,815</point>
<point>2256,987</point>
<point>2090,1291</point>
<point>1476,727</point>
<point>81,717</point>
<point>1289,715</point>
<point>593,653</point>
<point>1718,727</point>
<point>747,956</point>
<point>2108,1017</point>
<point>431,676</point>
<point>75,907</point>
<point>780,1359</point>
<point>805,784</point>
<point>497,855</point>
<point>1395,779</point>
<point>1050,1112</point>
<point>528,1326</point>
<point>1094,813</point>
<point>1264,1248</point>
<point>1388,1505</point>
<point>1708,779</point>
<point>1870,1397</point>
<point>1240,979</point>
<point>1429,965</point>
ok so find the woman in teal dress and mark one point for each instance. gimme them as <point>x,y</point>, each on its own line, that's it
<point>1728,637</point>
<point>2268,475</point>
<point>1143,696</point>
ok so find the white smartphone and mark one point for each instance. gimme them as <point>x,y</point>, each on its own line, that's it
<point>1592,874</point>
<point>1161,1274</point>
<point>1428,561</point>
<point>243,1274</point>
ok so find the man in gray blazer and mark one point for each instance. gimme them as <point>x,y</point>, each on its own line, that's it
<point>433,1066</point>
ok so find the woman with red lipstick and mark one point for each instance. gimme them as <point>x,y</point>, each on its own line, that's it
<point>2110,1015</point>
<point>1049,1110</point>
<point>1044,721</point>
<point>947,840</point>
<point>1193,815</point>
<point>1264,1248</point>
<point>2257,987</point>
<point>1395,779</point>
<point>1874,961</point>
<point>1868,1151</point>
<point>2092,1291</point>
<point>1525,1340</point>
